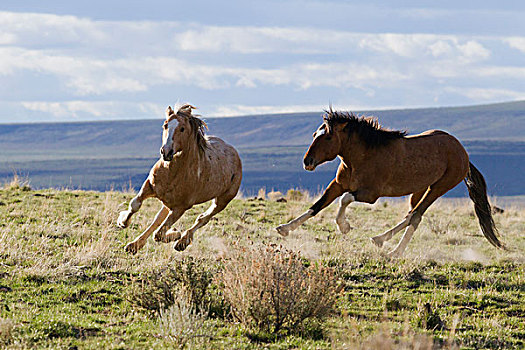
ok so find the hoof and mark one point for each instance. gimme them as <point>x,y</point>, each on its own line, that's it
<point>377,242</point>
<point>181,245</point>
<point>344,227</point>
<point>170,236</point>
<point>123,219</point>
<point>394,254</point>
<point>282,230</point>
<point>160,238</point>
<point>132,248</point>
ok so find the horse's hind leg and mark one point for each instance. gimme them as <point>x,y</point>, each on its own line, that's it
<point>146,191</point>
<point>165,219</point>
<point>217,205</point>
<point>379,240</point>
<point>435,191</point>
<point>340,219</point>
<point>166,233</point>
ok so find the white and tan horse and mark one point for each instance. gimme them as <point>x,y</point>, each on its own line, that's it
<point>193,169</point>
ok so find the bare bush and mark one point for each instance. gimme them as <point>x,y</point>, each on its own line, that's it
<point>295,195</point>
<point>274,288</point>
<point>160,288</point>
<point>274,195</point>
<point>439,226</point>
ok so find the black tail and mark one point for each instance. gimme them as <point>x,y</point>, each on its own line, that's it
<point>477,190</point>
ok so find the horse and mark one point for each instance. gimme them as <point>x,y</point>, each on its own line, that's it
<point>193,169</point>
<point>377,162</point>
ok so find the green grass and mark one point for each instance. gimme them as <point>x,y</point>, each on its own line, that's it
<point>65,280</point>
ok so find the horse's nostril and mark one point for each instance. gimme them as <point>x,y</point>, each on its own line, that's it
<point>162,150</point>
<point>307,161</point>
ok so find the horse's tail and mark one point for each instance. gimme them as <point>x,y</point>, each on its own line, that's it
<point>477,190</point>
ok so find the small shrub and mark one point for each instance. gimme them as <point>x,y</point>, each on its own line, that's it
<point>438,226</point>
<point>17,183</point>
<point>6,330</point>
<point>429,319</point>
<point>181,324</point>
<point>262,193</point>
<point>160,288</point>
<point>271,288</point>
<point>53,328</point>
<point>274,195</point>
<point>294,195</point>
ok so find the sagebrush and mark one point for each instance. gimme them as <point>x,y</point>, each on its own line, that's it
<point>274,289</point>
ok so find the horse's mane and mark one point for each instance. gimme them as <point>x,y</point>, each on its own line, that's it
<point>367,128</point>
<point>198,126</point>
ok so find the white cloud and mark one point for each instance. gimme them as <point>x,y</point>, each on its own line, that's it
<point>517,43</point>
<point>119,60</point>
<point>234,110</point>
<point>487,94</point>
<point>94,109</point>
<point>472,51</point>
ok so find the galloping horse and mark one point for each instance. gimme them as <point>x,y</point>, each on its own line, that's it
<point>193,169</point>
<point>376,162</point>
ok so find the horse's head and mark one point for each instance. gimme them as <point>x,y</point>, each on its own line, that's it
<point>325,146</point>
<point>176,131</point>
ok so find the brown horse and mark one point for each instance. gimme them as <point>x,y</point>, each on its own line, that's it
<point>193,169</point>
<point>376,162</point>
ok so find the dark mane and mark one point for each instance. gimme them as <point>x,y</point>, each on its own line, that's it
<point>367,128</point>
<point>198,126</point>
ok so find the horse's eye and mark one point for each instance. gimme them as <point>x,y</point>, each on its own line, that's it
<point>328,137</point>
<point>182,129</point>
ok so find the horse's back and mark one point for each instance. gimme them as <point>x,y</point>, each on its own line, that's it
<point>442,147</point>
<point>224,163</point>
<point>418,161</point>
<point>225,151</point>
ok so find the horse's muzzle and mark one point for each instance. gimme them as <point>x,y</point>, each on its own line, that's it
<point>309,163</point>
<point>166,156</point>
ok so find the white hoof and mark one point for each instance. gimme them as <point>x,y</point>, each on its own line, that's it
<point>283,230</point>
<point>123,219</point>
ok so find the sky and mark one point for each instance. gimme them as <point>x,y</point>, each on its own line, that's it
<point>113,59</point>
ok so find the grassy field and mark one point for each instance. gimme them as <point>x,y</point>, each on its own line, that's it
<point>66,282</point>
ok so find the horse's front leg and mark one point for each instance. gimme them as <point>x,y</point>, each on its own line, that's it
<point>137,243</point>
<point>146,191</point>
<point>333,191</point>
<point>340,219</point>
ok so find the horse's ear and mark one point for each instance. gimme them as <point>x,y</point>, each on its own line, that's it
<point>169,111</point>
<point>186,109</point>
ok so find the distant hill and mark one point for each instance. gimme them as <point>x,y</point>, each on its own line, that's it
<point>56,154</point>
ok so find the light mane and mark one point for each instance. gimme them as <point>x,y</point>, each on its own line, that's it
<point>198,126</point>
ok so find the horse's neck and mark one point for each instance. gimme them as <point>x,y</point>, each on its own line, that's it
<point>353,150</point>
<point>187,160</point>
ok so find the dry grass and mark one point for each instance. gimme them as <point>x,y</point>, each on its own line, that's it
<point>62,259</point>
